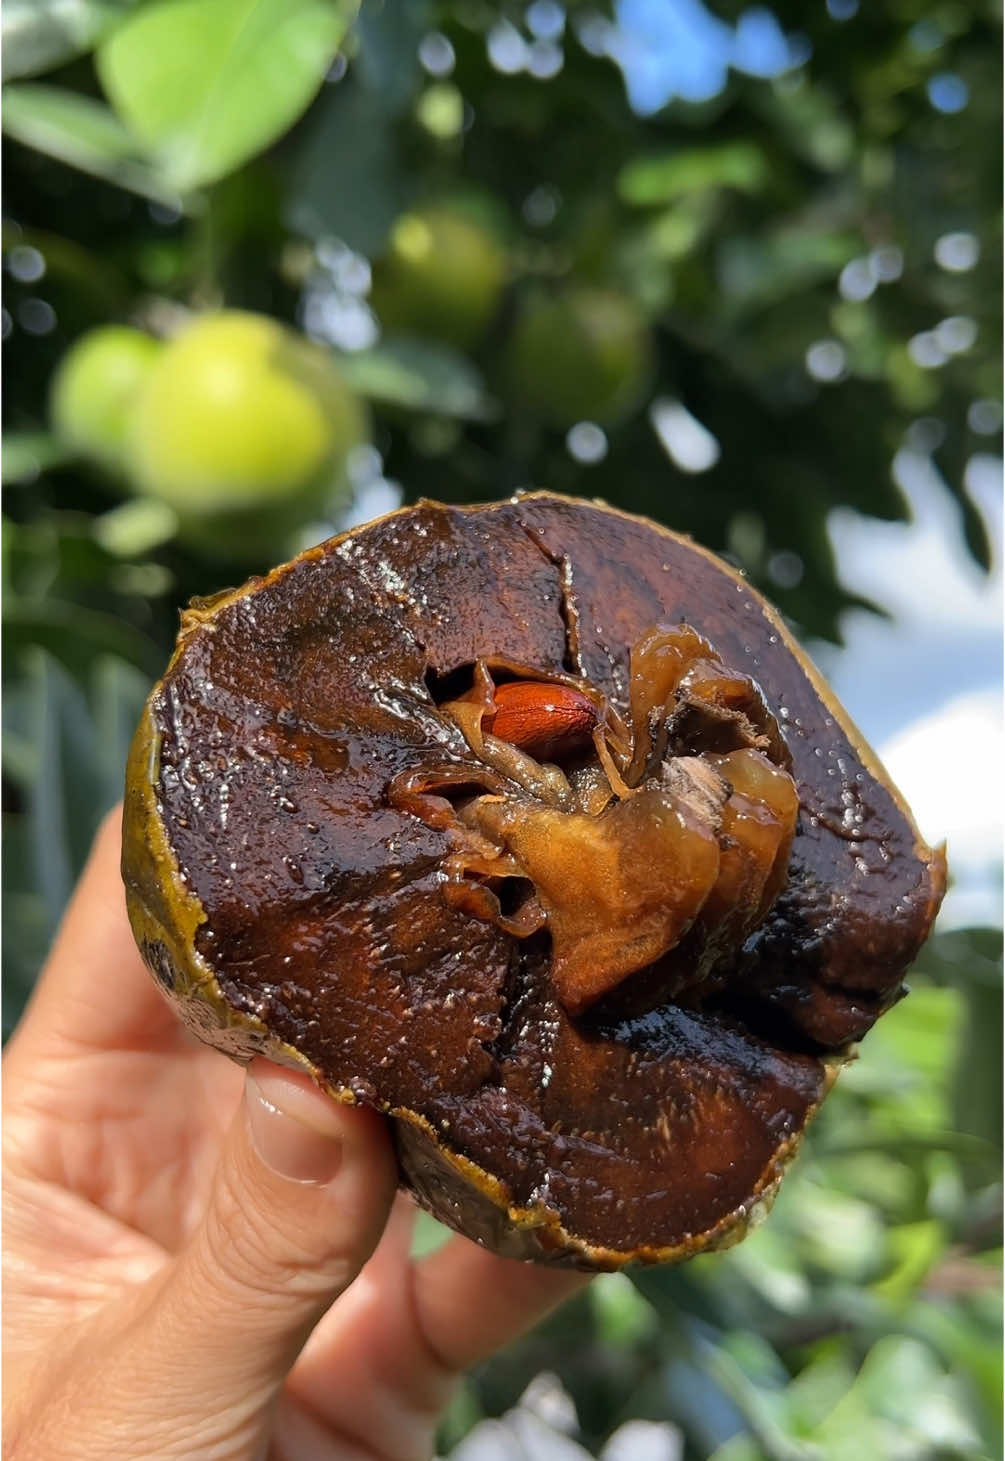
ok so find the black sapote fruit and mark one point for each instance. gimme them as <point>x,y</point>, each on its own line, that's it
<point>530,826</point>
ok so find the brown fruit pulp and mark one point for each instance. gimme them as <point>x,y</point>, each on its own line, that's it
<point>623,854</point>
<point>600,995</point>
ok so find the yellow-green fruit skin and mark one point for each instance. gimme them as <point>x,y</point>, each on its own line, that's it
<point>581,354</point>
<point>241,417</point>
<point>95,388</point>
<point>442,276</point>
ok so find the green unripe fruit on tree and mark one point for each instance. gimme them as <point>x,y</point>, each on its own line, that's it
<point>442,275</point>
<point>94,391</point>
<point>243,425</point>
<point>581,354</point>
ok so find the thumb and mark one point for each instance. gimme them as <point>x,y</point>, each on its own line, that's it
<point>300,1198</point>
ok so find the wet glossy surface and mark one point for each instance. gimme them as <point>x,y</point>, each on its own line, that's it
<point>676,813</point>
<point>301,737</point>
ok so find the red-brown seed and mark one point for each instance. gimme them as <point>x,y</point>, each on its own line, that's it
<point>549,722</point>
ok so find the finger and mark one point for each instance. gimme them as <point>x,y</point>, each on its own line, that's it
<point>511,1297</point>
<point>369,1344</point>
<point>299,1200</point>
<point>94,990</point>
<point>405,1331</point>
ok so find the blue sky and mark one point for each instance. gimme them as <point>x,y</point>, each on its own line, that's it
<point>670,49</point>
<point>925,686</point>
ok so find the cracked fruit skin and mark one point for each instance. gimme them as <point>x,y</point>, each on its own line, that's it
<point>242,427</point>
<point>599,995</point>
<point>95,388</point>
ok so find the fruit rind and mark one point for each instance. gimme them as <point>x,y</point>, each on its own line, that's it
<point>166,918</point>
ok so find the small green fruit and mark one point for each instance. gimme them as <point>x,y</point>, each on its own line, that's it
<point>94,391</point>
<point>442,276</point>
<point>582,354</point>
<point>240,420</point>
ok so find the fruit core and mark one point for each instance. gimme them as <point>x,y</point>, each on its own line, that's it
<point>625,835</point>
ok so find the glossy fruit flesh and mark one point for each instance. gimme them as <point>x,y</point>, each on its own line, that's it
<point>600,997</point>
<point>625,852</point>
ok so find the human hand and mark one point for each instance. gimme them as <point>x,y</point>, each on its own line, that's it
<point>201,1263</point>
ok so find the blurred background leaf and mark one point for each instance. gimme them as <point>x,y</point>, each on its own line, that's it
<point>40,34</point>
<point>204,84</point>
<point>80,131</point>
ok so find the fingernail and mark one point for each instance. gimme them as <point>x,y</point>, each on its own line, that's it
<point>292,1129</point>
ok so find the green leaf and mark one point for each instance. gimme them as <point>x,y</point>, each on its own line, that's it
<point>63,794</point>
<point>40,34</point>
<point>136,527</point>
<point>26,939</point>
<point>914,1247</point>
<point>814,1393</point>
<point>665,177</point>
<point>118,692</point>
<point>419,375</point>
<point>389,37</point>
<point>978,1076</point>
<point>65,748</point>
<point>100,284</point>
<point>623,1316</point>
<point>206,84</point>
<point>751,1375</point>
<point>754,271</point>
<point>902,1399</point>
<point>74,634</point>
<point>27,454</point>
<point>81,132</point>
<point>973,1348</point>
<point>346,177</point>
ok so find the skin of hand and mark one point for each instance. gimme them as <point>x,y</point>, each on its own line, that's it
<point>202,1262</point>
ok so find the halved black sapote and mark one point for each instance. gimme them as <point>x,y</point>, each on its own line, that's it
<point>532,827</point>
